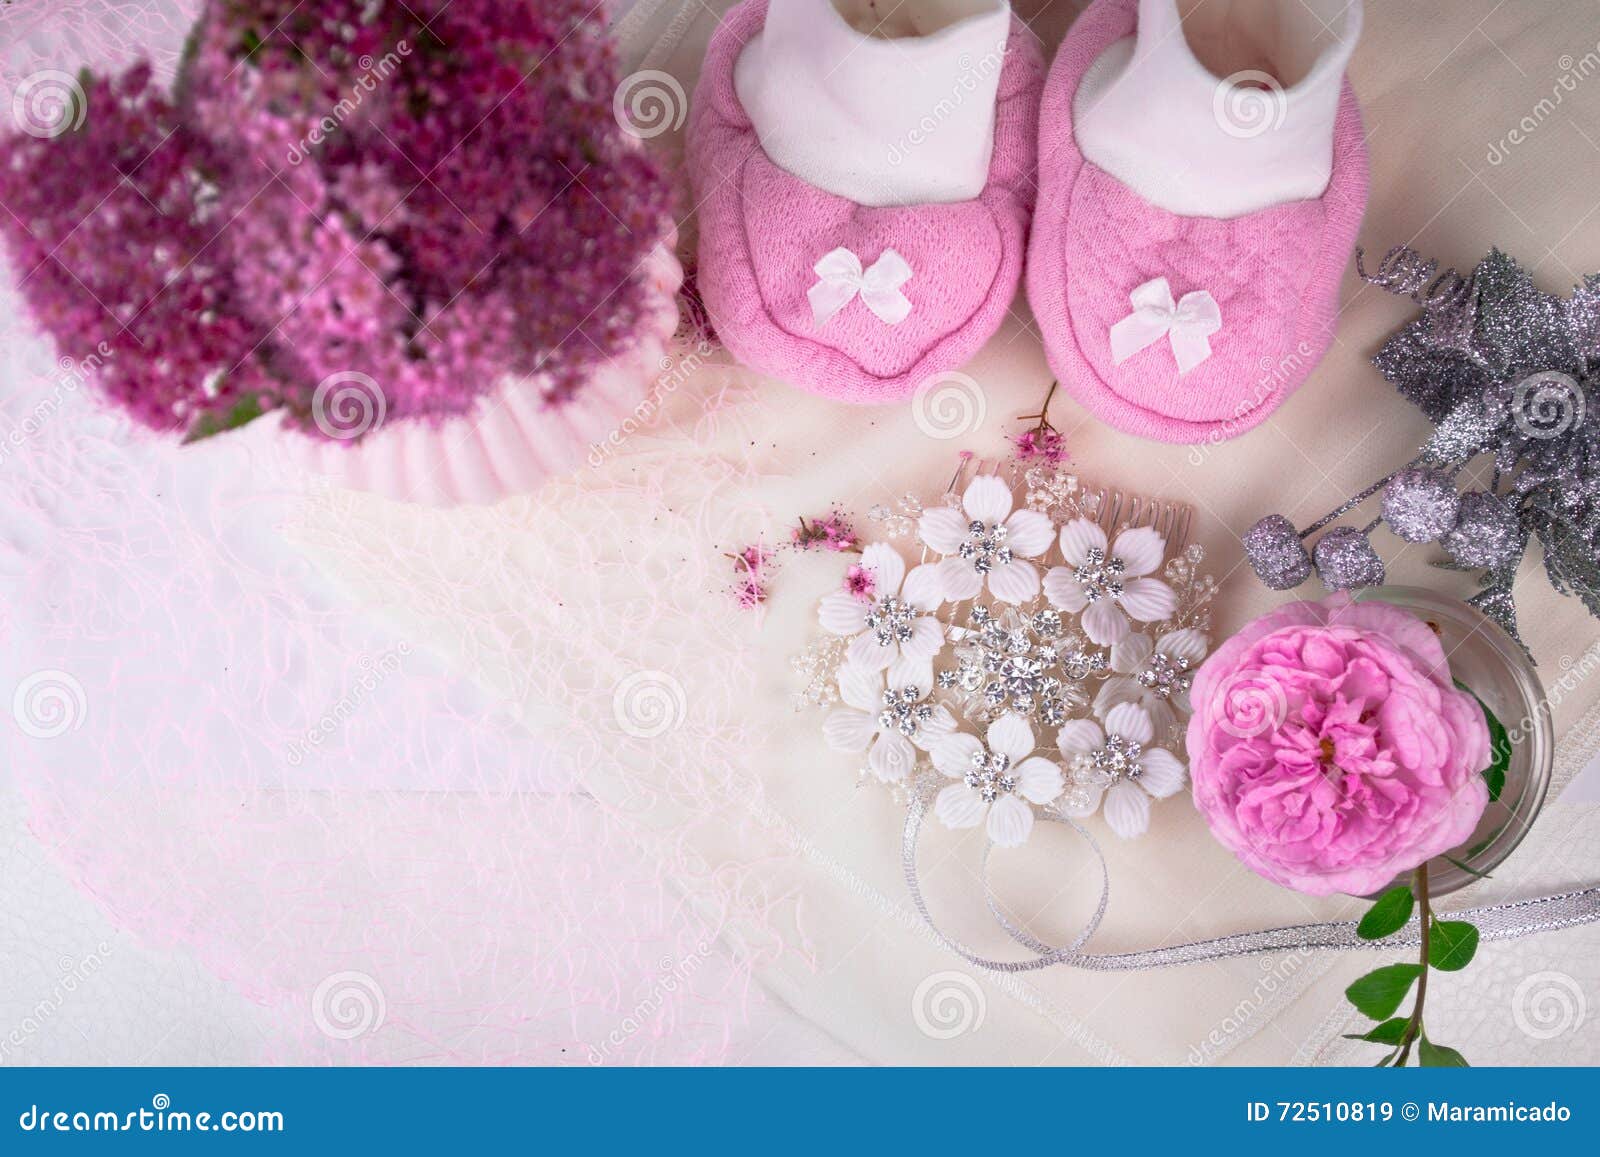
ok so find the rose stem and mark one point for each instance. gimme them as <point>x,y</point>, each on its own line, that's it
<point>1414,1028</point>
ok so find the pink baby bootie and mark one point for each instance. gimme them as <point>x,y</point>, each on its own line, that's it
<point>1195,218</point>
<point>864,176</point>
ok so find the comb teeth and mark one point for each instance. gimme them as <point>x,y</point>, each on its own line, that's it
<point>1115,510</point>
<point>1118,511</point>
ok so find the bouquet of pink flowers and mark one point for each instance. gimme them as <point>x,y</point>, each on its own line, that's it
<point>427,197</point>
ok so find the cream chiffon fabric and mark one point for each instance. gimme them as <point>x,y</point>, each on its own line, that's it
<point>626,589</point>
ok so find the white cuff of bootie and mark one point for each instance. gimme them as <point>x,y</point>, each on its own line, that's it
<point>879,115</point>
<point>1153,116</point>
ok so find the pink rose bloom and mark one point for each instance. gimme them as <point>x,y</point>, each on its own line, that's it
<point>1329,749</point>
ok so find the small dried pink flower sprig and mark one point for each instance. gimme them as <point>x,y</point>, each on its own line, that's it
<point>752,566</point>
<point>434,194</point>
<point>1042,442</point>
<point>833,532</point>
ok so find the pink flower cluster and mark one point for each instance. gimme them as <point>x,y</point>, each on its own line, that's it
<point>1330,750</point>
<point>435,194</point>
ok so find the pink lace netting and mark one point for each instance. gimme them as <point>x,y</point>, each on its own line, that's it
<point>433,881</point>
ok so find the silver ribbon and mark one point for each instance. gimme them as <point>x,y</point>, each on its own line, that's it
<point>1494,922</point>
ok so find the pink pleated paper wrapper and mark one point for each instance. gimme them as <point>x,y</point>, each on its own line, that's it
<point>514,443</point>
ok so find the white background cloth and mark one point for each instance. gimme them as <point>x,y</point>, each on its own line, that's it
<point>1444,86</point>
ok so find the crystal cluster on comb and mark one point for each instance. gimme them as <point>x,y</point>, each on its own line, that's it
<point>1040,666</point>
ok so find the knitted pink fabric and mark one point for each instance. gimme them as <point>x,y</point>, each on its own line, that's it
<point>1274,274</point>
<point>762,231</point>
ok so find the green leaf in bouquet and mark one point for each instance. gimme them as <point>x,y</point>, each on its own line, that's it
<point>244,411</point>
<point>1388,915</point>
<point>1377,994</point>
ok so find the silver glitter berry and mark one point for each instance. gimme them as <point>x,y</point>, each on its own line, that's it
<point>1276,553</point>
<point>1420,505</point>
<point>1488,532</point>
<point>1346,560</point>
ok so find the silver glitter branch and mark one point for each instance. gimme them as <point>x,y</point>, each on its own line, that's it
<point>1507,372</point>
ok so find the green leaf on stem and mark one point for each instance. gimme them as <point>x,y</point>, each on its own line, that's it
<point>1387,1033</point>
<point>1388,915</point>
<point>1453,943</point>
<point>1377,994</point>
<point>1434,1056</point>
<point>1499,747</point>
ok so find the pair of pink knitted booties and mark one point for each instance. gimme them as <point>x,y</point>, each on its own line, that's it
<point>868,183</point>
